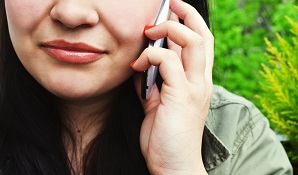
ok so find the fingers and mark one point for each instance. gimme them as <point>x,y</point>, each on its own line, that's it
<point>195,40</point>
<point>189,15</point>
<point>189,59</point>
<point>169,63</point>
<point>193,49</point>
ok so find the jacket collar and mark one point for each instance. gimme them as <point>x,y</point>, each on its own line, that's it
<point>216,152</point>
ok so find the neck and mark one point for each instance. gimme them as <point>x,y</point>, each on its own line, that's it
<point>84,119</point>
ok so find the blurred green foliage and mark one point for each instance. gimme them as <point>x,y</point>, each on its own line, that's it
<point>239,27</point>
<point>279,95</point>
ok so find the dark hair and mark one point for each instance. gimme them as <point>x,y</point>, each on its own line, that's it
<point>31,126</point>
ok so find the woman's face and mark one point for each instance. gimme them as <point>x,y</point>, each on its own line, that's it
<point>79,48</point>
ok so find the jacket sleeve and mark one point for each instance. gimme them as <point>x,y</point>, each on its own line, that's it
<point>260,153</point>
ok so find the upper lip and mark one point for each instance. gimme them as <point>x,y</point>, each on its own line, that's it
<point>72,46</point>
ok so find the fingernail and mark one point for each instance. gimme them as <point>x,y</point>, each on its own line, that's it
<point>131,64</point>
<point>148,27</point>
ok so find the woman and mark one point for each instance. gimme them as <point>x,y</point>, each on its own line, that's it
<point>69,105</point>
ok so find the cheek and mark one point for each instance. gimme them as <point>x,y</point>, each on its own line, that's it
<point>128,19</point>
<point>24,15</point>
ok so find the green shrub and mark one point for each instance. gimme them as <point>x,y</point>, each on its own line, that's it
<point>279,95</point>
<point>239,27</point>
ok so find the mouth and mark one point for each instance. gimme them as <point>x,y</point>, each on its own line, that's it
<point>74,53</point>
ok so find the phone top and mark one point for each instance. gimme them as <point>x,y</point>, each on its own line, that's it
<point>162,16</point>
<point>163,13</point>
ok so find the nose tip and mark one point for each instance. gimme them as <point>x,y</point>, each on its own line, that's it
<point>73,14</point>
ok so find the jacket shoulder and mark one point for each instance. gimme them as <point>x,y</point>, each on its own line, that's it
<point>245,132</point>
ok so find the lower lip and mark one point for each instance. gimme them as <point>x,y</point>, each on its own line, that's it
<point>73,57</point>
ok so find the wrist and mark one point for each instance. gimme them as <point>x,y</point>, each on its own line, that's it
<point>197,169</point>
<point>191,172</point>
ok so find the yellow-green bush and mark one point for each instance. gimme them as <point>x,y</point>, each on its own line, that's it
<point>279,95</point>
<point>239,27</point>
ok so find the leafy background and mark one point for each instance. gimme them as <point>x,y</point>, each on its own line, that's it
<point>239,27</point>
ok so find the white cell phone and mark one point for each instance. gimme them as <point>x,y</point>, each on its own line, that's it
<point>149,75</point>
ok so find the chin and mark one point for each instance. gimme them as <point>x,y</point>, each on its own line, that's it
<point>83,93</point>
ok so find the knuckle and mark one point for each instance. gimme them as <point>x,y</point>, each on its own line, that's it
<point>193,98</point>
<point>172,59</point>
<point>146,51</point>
<point>170,23</point>
<point>197,40</point>
<point>199,95</point>
<point>152,52</point>
<point>200,40</point>
<point>191,11</point>
<point>147,54</point>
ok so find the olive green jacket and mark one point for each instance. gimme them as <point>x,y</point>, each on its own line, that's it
<point>240,140</point>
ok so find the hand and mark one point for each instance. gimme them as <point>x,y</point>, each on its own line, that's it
<point>171,134</point>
